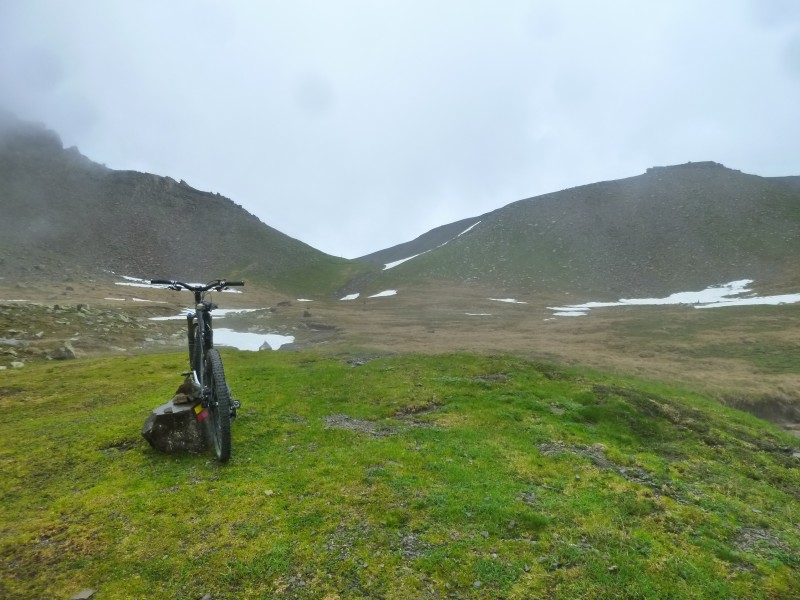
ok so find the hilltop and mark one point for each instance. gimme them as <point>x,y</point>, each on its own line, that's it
<point>670,229</point>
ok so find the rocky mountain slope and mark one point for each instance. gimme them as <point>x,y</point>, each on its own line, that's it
<point>61,211</point>
<point>670,229</point>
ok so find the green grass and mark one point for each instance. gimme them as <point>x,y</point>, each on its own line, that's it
<point>459,475</point>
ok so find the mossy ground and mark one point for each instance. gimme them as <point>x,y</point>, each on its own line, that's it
<point>413,476</point>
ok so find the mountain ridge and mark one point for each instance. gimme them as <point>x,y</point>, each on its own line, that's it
<point>64,211</point>
<point>669,229</point>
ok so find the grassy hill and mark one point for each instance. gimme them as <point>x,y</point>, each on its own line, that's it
<point>670,229</point>
<point>400,477</point>
<point>63,212</point>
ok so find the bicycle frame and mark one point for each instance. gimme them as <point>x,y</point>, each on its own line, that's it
<point>199,328</point>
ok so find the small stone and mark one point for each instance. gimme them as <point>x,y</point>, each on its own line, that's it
<point>83,595</point>
<point>268,493</point>
<point>17,364</point>
<point>485,534</point>
<point>476,584</point>
<point>577,477</point>
<point>613,569</point>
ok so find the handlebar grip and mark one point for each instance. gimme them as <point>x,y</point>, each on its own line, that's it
<point>234,283</point>
<point>160,282</point>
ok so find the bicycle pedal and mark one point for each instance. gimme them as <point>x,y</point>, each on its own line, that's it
<point>186,374</point>
<point>236,404</point>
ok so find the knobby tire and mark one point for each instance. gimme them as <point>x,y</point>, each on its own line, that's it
<point>219,409</point>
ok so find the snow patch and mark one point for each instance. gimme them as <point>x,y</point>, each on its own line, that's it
<point>392,265</point>
<point>250,341</point>
<point>711,297</point>
<point>508,300</point>
<point>468,229</point>
<point>755,300</point>
<point>351,296</point>
<point>383,294</point>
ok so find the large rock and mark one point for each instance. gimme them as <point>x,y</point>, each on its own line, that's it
<point>65,352</point>
<point>175,427</point>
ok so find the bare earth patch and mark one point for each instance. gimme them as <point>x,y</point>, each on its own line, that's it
<point>760,541</point>
<point>597,454</point>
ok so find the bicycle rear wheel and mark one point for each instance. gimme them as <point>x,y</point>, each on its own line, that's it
<point>219,408</point>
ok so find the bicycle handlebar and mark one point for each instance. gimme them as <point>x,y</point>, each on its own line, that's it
<point>216,284</point>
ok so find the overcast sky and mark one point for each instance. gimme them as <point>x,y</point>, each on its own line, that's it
<point>357,125</point>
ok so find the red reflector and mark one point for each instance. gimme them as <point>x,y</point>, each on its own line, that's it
<point>202,415</point>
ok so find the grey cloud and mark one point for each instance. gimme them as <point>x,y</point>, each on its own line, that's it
<point>354,126</point>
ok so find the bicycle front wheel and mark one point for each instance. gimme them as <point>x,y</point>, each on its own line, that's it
<point>219,408</point>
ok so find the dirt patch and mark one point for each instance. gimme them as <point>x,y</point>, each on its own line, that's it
<point>760,541</point>
<point>597,454</point>
<point>418,409</point>
<point>339,421</point>
<point>121,446</point>
<point>493,378</point>
<point>361,360</point>
<point>410,546</point>
<point>10,391</point>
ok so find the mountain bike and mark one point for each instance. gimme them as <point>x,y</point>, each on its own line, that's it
<point>205,364</point>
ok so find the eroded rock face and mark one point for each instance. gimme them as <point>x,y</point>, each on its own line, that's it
<point>174,427</point>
